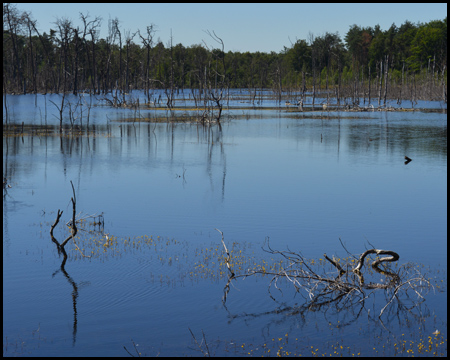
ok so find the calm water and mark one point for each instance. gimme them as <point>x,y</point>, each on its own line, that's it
<point>302,181</point>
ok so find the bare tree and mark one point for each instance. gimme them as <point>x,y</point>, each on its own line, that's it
<point>118,34</point>
<point>110,39</point>
<point>386,73</point>
<point>313,66</point>
<point>91,28</point>
<point>66,32</point>
<point>380,75</point>
<point>169,89</point>
<point>220,81</point>
<point>60,110</point>
<point>48,72</point>
<point>31,25</point>
<point>148,43</point>
<point>76,60</point>
<point>128,40</point>
<point>13,22</point>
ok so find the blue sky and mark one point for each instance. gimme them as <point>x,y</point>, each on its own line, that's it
<point>243,27</point>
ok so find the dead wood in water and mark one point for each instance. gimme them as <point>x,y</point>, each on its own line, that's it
<point>72,224</point>
<point>73,228</point>
<point>58,217</point>
<point>344,290</point>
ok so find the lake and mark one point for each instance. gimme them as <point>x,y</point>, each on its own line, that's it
<point>304,180</point>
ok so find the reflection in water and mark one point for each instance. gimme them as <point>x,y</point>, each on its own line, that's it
<point>303,181</point>
<point>74,294</point>
<point>342,296</point>
<point>61,250</point>
<point>134,152</point>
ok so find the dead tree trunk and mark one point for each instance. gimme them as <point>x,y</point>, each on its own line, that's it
<point>386,69</point>
<point>370,79</point>
<point>380,85</point>
<point>73,230</point>
<point>444,88</point>
<point>60,110</point>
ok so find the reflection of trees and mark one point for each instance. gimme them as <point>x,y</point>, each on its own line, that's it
<point>74,292</point>
<point>175,134</point>
<point>213,140</point>
<point>88,149</point>
<point>339,314</point>
<point>293,319</point>
<point>396,138</point>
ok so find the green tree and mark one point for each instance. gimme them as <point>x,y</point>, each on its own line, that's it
<point>430,40</point>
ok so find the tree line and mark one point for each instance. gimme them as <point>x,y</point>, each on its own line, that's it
<point>411,58</point>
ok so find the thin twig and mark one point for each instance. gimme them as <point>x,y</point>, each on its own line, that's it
<point>135,348</point>
<point>228,258</point>
<point>205,353</point>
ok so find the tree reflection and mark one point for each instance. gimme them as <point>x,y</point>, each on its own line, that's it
<point>74,292</point>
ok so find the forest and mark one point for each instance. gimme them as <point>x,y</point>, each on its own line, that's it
<point>401,62</point>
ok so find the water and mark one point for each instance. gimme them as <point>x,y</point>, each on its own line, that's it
<point>301,180</point>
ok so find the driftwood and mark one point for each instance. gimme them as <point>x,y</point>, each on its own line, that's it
<point>357,269</point>
<point>344,290</point>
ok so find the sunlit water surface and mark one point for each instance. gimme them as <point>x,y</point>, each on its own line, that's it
<point>301,181</point>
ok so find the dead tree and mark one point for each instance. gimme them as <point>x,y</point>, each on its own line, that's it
<point>148,43</point>
<point>73,230</point>
<point>220,84</point>
<point>128,42</point>
<point>386,74</point>
<point>60,110</point>
<point>343,289</point>
<point>12,23</point>
<point>380,76</point>
<point>31,24</point>
<point>66,33</point>
<point>444,87</point>
<point>91,27</point>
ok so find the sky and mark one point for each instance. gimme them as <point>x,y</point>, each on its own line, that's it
<point>243,27</point>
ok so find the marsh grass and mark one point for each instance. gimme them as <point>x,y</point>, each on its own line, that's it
<point>207,261</point>
<point>377,345</point>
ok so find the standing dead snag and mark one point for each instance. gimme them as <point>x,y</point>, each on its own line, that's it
<point>216,95</point>
<point>73,230</point>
